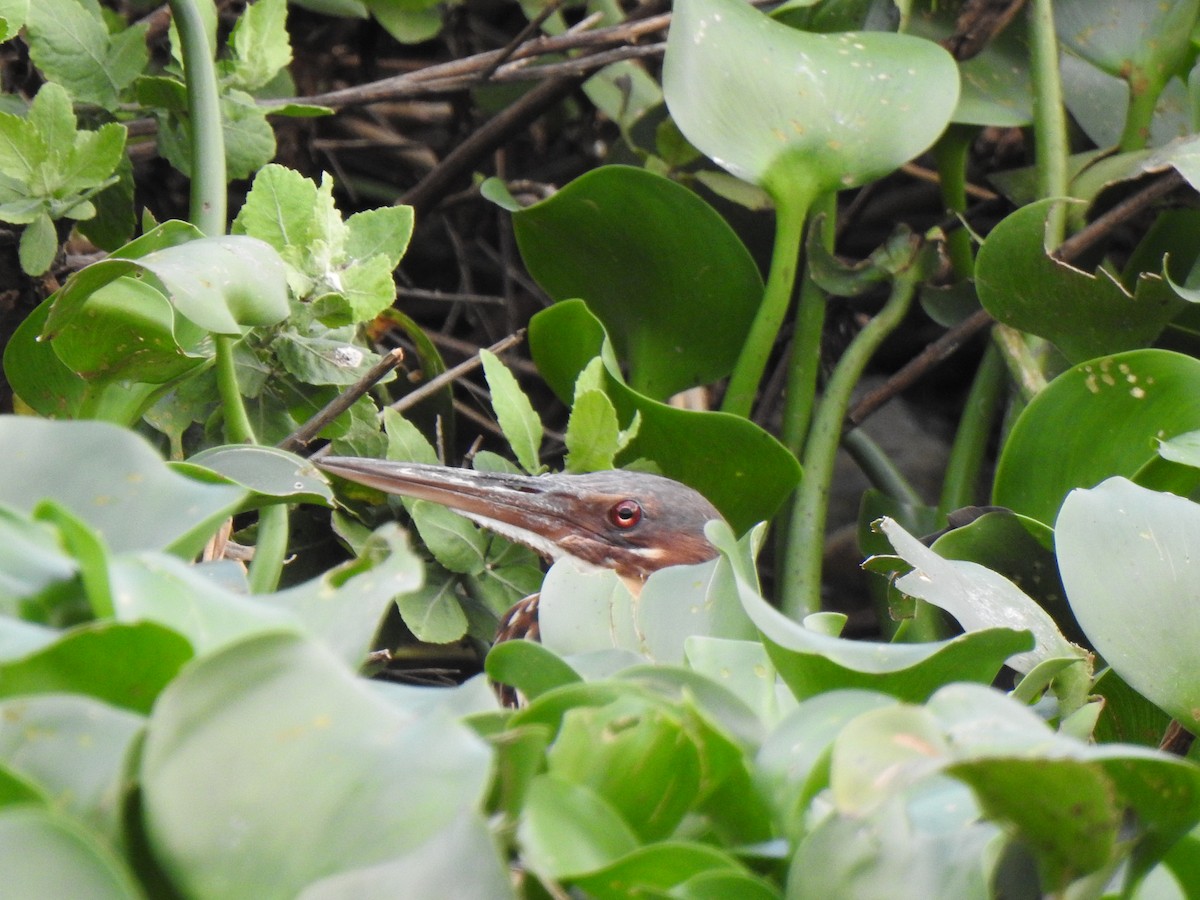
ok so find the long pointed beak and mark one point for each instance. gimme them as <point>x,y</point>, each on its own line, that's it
<point>540,512</point>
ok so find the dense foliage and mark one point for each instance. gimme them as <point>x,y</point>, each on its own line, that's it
<point>174,722</point>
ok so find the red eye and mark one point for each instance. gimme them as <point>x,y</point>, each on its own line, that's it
<point>625,514</point>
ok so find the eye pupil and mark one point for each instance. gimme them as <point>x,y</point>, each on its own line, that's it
<point>625,514</point>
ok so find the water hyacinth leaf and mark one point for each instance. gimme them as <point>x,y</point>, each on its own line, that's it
<point>530,667</point>
<point>739,467</point>
<point>114,481</point>
<point>1100,418</point>
<point>212,756</point>
<point>673,868</point>
<point>568,829</point>
<point>1083,315</point>
<point>811,662</point>
<point>46,854</point>
<point>1137,41</point>
<point>220,284</point>
<point>774,105</point>
<point>977,597</point>
<point>268,472</point>
<point>674,286</point>
<point>126,665</point>
<point>1127,561</point>
<point>75,749</point>
<point>129,333</point>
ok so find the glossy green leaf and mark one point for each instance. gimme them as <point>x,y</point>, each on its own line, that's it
<point>811,662</point>
<point>978,598</point>
<point>1100,418</point>
<point>773,105</point>
<point>130,333</point>
<point>518,420</point>
<point>268,472</point>
<point>452,539</point>
<point>74,749</point>
<point>126,665</point>
<point>673,285</point>
<point>237,739</point>
<point>666,866</point>
<point>569,829</point>
<point>341,608</point>
<point>1083,315</point>
<point>1127,564</point>
<point>593,433</point>
<point>43,854</point>
<point>114,481</point>
<point>739,467</point>
<point>528,666</point>
<point>220,284</point>
<point>637,756</point>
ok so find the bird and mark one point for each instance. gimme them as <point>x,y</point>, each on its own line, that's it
<point>631,523</point>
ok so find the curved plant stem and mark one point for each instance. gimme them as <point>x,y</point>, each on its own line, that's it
<point>879,468</point>
<point>805,364</point>
<point>1143,98</point>
<point>791,211</point>
<point>1049,120</point>
<point>270,549</point>
<point>951,154</point>
<point>208,203</point>
<point>208,197</point>
<point>974,429</point>
<point>800,589</point>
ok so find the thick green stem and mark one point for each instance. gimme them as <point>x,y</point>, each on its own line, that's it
<point>791,210</point>
<point>951,152</point>
<point>801,585</point>
<point>1143,98</point>
<point>238,429</point>
<point>208,203</point>
<point>1049,119</point>
<point>270,549</point>
<point>805,364</point>
<point>974,429</point>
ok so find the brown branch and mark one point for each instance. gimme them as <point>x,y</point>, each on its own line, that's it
<point>342,402</point>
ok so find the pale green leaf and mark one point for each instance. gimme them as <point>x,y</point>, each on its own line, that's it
<point>39,244</point>
<point>516,415</point>
<point>260,44</point>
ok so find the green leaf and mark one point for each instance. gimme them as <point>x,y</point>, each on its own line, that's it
<point>53,119</point>
<point>530,667</point>
<point>1100,418</point>
<point>94,156</point>
<point>978,598</point>
<point>259,43</point>
<point>637,756</point>
<point>76,750</point>
<point>279,209</point>
<point>771,104</point>
<point>220,284</point>
<point>405,441</point>
<point>44,854</point>
<point>363,780</point>
<point>13,13</point>
<point>811,662</point>
<point>568,829</point>
<point>125,665</point>
<point>454,542</point>
<point>1126,561</point>
<point>433,613</point>
<point>130,333</point>
<point>268,472</point>
<point>673,285</point>
<point>71,45</point>
<point>39,245</point>
<point>740,468</point>
<point>593,433</point>
<point>674,867</point>
<point>518,420</point>
<point>385,230</point>
<point>113,480</point>
<point>1083,315</point>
